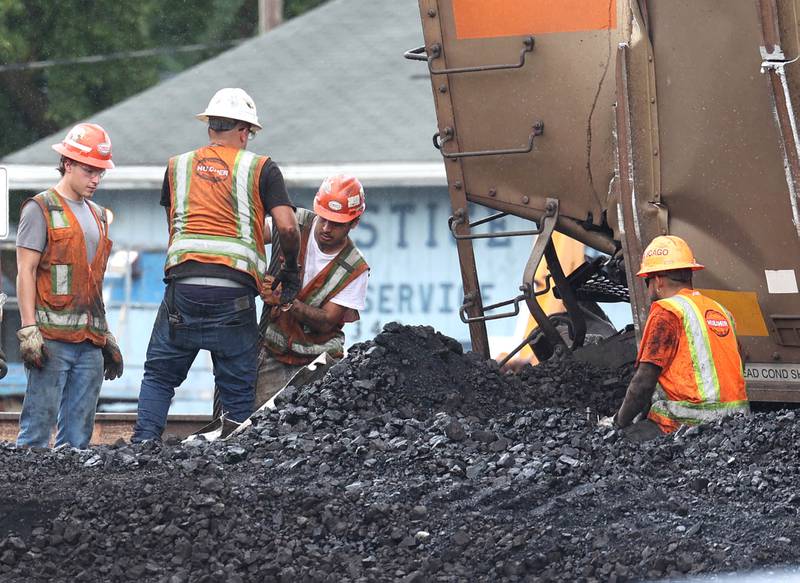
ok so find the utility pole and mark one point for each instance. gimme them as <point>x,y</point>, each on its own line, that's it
<point>270,15</point>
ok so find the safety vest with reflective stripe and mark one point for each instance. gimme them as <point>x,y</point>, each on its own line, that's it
<point>69,290</point>
<point>704,381</point>
<point>285,337</point>
<point>216,214</point>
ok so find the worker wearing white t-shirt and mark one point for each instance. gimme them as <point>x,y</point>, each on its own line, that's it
<point>335,277</point>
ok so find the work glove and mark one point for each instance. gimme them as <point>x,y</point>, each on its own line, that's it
<point>31,346</point>
<point>289,279</point>
<point>112,358</point>
<point>3,364</point>
<point>606,422</point>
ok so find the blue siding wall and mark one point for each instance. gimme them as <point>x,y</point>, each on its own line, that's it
<point>415,277</point>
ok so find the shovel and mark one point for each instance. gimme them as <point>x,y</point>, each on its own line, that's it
<point>223,428</point>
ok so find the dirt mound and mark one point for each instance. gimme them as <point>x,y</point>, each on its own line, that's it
<point>411,461</point>
<point>419,372</point>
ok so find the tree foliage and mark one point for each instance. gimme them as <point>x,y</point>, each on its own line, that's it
<point>38,101</point>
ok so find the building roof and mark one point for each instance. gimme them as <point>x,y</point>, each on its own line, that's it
<point>331,87</point>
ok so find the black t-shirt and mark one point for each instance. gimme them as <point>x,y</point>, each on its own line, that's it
<point>273,193</point>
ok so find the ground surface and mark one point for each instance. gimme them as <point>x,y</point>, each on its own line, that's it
<point>411,461</point>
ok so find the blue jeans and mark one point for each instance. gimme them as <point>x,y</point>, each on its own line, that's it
<point>228,329</point>
<point>62,393</point>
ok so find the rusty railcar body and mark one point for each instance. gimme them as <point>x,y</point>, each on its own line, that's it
<point>613,121</point>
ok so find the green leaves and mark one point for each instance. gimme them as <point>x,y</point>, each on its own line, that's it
<point>39,100</point>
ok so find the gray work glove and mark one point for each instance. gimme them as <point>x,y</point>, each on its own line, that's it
<point>112,358</point>
<point>607,422</point>
<point>289,278</point>
<point>31,346</point>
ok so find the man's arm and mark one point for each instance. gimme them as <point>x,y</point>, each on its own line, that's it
<point>320,320</point>
<point>288,231</point>
<point>639,394</point>
<point>277,203</point>
<point>659,345</point>
<point>27,262</point>
<point>31,243</point>
<point>166,200</point>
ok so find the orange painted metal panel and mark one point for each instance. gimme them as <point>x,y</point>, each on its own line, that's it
<point>492,18</point>
<point>745,309</point>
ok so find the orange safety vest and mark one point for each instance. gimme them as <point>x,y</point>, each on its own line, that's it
<point>216,214</point>
<point>705,380</point>
<point>69,290</point>
<point>294,343</point>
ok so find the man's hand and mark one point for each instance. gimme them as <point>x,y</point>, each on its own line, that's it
<point>271,297</point>
<point>31,346</point>
<point>289,278</point>
<point>112,358</point>
<point>639,394</point>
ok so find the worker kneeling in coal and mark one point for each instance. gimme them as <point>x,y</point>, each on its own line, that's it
<point>689,368</point>
<point>334,289</point>
<point>216,199</point>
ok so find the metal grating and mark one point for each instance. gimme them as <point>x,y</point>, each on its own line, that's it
<point>599,288</point>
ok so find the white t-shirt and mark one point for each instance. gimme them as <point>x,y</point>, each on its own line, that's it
<point>354,295</point>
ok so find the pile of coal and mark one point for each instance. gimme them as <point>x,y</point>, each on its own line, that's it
<point>412,461</point>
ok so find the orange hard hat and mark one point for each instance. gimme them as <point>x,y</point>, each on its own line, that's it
<point>87,143</point>
<point>667,253</point>
<point>340,199</point>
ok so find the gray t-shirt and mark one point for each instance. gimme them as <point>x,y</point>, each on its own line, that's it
<point>32,230</point>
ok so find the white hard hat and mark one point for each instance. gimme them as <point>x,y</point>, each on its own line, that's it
<point>233,103</point>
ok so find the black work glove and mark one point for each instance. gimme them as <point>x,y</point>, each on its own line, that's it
<point>289,278</point>
<point>112,358</point>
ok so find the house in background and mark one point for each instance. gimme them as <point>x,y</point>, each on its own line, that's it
<point>334,94</point>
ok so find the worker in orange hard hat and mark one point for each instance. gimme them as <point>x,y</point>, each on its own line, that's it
<point>334,287</point>
<point>689,368</point>
<point>62,251</point>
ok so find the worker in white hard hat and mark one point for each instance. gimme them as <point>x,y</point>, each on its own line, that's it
<point>217,198</point>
